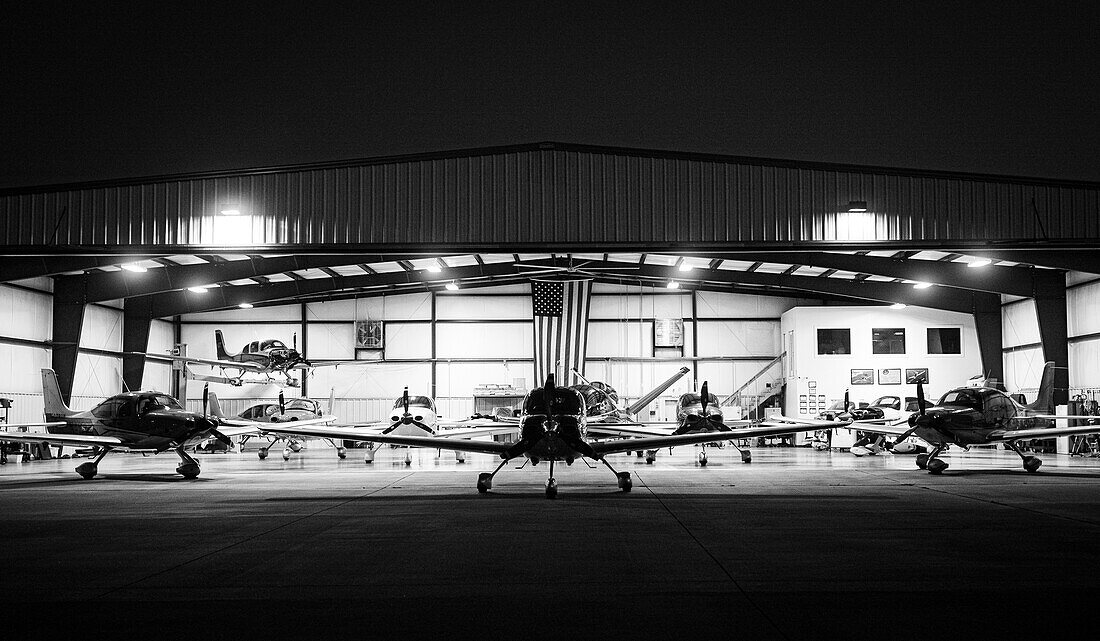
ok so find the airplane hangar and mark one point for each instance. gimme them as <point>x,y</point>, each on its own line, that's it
<point>783,285</point>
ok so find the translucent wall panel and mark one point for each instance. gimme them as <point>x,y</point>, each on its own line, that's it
<point>1024,371</point>
<point>376,380</point>
<point>632,379</point>
<point>96,378</point>
<point>158,376</point>
<point>460,379</point>
<point>609,306</point>
<point>1083,309</point>
<point>162,336</point>
<point>408,340</point>
<point>396,307</point>
<point>20,369</point>
<point>739,338</point>
<point>330,341</point>
<point>200,337</point>
<point>1020,325</point>
<point>277,313</point>
<point>472,306</point>
<point>25,314</point>
<point>728,305</point>
<point>620,339</point>
<point>102,328</point>
<point>484,340</point>
<point>1084,357</point>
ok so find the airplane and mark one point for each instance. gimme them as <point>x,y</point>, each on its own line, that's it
<point>553,425</point>
<point>968,416</point>
<point>141,421</point>
<point>266,356</point>
<point>300,409</point>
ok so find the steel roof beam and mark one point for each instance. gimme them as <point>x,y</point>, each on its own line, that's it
<point>21,267</point>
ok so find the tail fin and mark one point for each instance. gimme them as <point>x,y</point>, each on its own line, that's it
<point>657,391</point>
<point>1044,400</point>
<point>55,407</point>
<point>220,342</point>
<point>216,406</point>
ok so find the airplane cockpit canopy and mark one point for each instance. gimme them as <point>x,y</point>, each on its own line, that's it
<point>415,401</point>
<point>304,404</point>
<point>692,398</point>
<point>962,398</point>
<point>562,401</point>
<point>600,398</point>
<point>272,343</point>
<point>130,405</point>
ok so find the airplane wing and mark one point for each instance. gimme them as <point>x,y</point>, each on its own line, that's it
<point>359,434</point>
<point>244,367</point>
<point>1045,432</point>
<point>889,429</point>
<point>89,440</point>
<point>490,428</point>
<point>239,426</point>
<point>658,442</point>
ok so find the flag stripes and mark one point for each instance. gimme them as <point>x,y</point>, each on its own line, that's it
<point>560,328</point>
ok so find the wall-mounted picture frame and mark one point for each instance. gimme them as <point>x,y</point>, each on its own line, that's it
<point>916,375</point>
<point>863,377</point>
<point>890,376</point>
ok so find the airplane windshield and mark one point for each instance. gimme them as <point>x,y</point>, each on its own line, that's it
<point>689,399</point>
<point>893,402</point>
<point>962,398</point>
<point>562,401</point>
<point>415,401</point>
<point>301,404</point>
<point>272,344</point>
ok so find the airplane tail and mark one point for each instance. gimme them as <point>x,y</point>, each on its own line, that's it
<point>1044,400</point>
<point>55,407</point>
<point>219,341</point>
<point>639,404</point>
<point>216,406</point>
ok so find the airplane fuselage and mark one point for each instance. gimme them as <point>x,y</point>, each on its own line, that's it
<point>991,413</point>
<point>156,430</point>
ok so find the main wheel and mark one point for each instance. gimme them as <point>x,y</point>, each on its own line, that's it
<point>188,470</point>
<point>286,454</point>
<point>703,458</point>
<point>552,489</point>
<point>484,482</point>
<point>746,456</point>
<point>936,466</point>
<point>87,470</point>
<point>262,453</point>
<point>625,484</point>
<point>922,461</point>
<point>342,452</point>
<point>1032,463</point>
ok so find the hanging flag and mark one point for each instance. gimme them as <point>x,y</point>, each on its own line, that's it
<point>561,328</point>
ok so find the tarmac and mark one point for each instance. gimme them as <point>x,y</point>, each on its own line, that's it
<point>799,544</point>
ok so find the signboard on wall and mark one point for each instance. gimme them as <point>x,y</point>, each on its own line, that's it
<point>668,332</point>
<point>368,334</point>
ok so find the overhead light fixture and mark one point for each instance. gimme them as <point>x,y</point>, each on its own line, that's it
<point>898,306</point>
<point>229,210</point>
<point>434,268</point>
<point>979,262</point>
<point>452,286</point>
<point>197,290</point>
<point>673,285</point>
<point>922,285</point>
<point>134,267</point>
<point>245,305</point>
<point>857,205</point>
<point>686,267</point>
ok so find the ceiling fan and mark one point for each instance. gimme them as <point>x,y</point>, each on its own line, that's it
<point>572,271</point>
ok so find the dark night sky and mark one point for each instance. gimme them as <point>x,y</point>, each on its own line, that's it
<point>93,93</point>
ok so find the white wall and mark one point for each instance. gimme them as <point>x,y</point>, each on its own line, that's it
<point>832,372</point>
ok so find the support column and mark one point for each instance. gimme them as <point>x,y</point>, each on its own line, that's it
<point>988,322</point>
<point>136,321</point>
<point>1050,308</point>
<point>68,319</point>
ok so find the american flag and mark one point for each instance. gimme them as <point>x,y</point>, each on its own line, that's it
<point>561,327</point>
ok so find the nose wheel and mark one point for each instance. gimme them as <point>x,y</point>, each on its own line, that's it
<point>1031,463</point>
<point>262,453</point>
<point>342,452</point>
<point>188,467</point>
<point>703,457</point>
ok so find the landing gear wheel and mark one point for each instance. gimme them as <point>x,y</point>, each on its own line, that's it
<point>703,458</point>
<point>552,489</point>
<point>262,453</point>
<point>1032,463</point>
<point>650,457</point>
<point>484,482</point>
<point>188,470</point>
<point>286,454</point>
<point>408,460</point>
<point>625,484</point>
<point>936,466</point>
<point>746,456</point>
<point>87,470</point>
<point>342,452</point>
<point>922,461</point>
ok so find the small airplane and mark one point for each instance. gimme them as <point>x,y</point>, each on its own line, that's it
<point>141,421</point>
<point>264,357</point>
<point>259,416</point>
<point>968,416</point>
<point>553,426</point>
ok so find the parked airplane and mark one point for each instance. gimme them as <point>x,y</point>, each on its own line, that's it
<point>967,416</point>
<point>259,416</point>
<point>265,357</point>
<point>553,428</point>
<point>146,421</point>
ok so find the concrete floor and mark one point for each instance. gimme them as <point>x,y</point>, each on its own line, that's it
<point>800,544</point>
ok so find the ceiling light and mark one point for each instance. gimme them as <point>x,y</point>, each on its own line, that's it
<point>197,290</point>
<point>979,262</point>
<point>686,267</point>
<point>857,205</point>
<point>229,210</point>
<point>245,305</point>
<point>435,269</point>
<point>922,285</point>
<point>898,306</point>
<point>134,267</point>
<point>673,285</point>
<point>452,286</point>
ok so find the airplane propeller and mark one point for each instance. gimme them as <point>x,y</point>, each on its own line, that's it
<point>205,399</point>
<point>913,421</point>
<point>282,404</point>
<point>213,430</point>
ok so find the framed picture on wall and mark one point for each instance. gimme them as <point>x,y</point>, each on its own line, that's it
<point>889,376</point>
<point>916,375</point>
<point>863,377</point>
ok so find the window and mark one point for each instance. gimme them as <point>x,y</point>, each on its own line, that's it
<point>108,409</point>
<point>944,340</point>
<point>888,340</point>
<point>834,341</point>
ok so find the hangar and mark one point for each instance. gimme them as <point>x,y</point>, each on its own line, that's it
<point>313,249</point>
<point>780,283</point>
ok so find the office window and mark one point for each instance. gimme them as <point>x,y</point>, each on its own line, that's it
<point>888,340</point>
<point>944,340</point>
<point>834,341</point>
